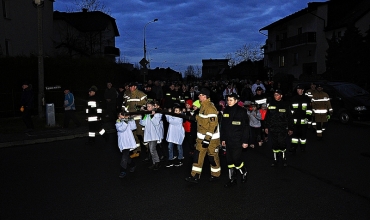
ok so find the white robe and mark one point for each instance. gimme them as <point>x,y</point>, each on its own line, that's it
<point>176,132</point>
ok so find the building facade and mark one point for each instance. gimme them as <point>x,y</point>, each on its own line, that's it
<point>297,44</point>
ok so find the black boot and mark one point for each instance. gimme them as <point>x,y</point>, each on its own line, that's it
<point>232,178</point>
<point>284,159</point>
<point>155,166</point>
<point>244,172</point>
<point>274,162</point>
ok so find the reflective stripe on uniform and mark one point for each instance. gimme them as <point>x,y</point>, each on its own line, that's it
<point>319,131</point>
<point>241,165</point>
<point>295,105</point>
<point>99,110</point>
<point>303,141</point>
<point>94,118</point>
<point>321,100</point>
<point>102,131</point>
<point>208,116</point>
<point>87,111</point>
<point>196,169</point>
<point>215,170</point>
<point>214,135</point>
<point>320,111</point>
<point>91,134</point>
<point>137,117</point>
<point>295,140</point>
<point>230,166</point>
<point>133,100</point>
<point>308,112</point>
<point>92,104</point>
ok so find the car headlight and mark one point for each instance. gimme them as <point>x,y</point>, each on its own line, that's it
<point>360,108</point>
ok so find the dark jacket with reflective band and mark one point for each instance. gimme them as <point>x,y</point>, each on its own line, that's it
<point>235,126</point>
<point>279,116</point>
<point>301,109</point>
<point>93,111</point>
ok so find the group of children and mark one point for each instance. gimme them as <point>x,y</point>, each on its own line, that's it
<point>154,134</point>
<point>181,132</point>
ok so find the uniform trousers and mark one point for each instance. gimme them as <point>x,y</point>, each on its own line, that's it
<point>212,152</point>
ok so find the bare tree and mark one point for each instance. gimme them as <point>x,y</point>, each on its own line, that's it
<point>189,71</point>
<point>250,51</point>
<point>197,72</point>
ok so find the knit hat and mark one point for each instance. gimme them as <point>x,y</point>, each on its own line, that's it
<point>93,88</point>
<point>189,102</point>
<point>196,104</point>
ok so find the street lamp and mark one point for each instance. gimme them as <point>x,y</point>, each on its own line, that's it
<point>39,4</point>
<point>144,35</point>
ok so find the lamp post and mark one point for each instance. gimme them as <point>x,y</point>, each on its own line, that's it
<point>144,35</point>
<point>145,65</point>
<point>39,4</point>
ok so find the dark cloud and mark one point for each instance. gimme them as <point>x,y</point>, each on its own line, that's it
<point>188,32</point>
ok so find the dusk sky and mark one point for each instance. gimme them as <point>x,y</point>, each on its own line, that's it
<point>188,31</point>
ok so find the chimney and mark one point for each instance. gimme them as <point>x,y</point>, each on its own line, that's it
<point>84,10</point>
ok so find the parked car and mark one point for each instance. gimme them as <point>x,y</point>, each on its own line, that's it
<point>349,101</point>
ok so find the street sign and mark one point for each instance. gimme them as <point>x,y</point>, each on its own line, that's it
<point>143,62</point>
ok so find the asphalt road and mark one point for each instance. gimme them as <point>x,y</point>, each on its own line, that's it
<point>69,180</point>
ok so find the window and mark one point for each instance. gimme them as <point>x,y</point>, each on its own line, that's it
<point>295,59</point>
<point>281,61</point>
<point>309,53</point>
<point>299,30</point>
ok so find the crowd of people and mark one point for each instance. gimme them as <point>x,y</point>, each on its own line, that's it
<point>206,118</point>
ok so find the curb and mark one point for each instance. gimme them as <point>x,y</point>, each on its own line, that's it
<point>47,140</point>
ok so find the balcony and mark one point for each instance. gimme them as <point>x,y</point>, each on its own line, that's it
<point>112,51</point>
<point>304,38</point>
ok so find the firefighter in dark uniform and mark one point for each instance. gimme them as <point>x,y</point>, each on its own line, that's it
<point>301,111</point>
<point>135,101</point>
<point>94,113</point>
<point>234,136</point>
<point>171,97</point>
<point>309,92</point>
<point>279,123</point>
<point>322,110</point>
<point>208,139</point>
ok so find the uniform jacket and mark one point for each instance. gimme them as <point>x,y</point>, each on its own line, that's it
<point>176,132</point>
<point>207,122</point>
<point>126,138</point>
<point>279,116</point>
<point>111,94</point>
<point>261,99</point>
<point>171,97</point>
<point>301,109</point>
<point>152,124</point>
<point>235,126</point>
<point>136,99</point>
<point>321,106</point>
<point>93,110</point>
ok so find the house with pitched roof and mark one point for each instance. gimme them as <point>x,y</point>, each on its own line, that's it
<point>85,34</point>
<point>297,43</point>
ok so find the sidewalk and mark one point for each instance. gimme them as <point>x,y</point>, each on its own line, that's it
<point>15,135</point>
